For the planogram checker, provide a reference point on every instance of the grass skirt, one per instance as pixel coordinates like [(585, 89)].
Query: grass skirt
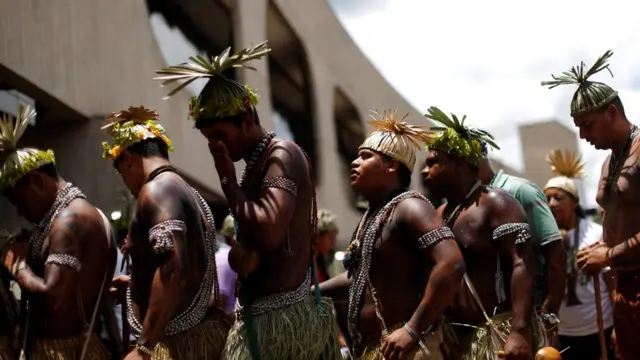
[(484, 342), (204, 341), (433, 341), (69, 349), (301, 331)]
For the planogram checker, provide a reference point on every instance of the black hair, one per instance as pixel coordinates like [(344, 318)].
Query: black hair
[(47, 169), (148, 148), (235, 120), (580, 212), (615, 102), (404, 174)]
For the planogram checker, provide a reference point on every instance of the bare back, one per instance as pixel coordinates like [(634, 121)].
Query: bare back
[(58, 313), (177, 198), (282, 270)]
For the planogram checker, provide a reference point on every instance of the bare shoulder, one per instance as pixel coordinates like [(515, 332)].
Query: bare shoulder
[(415, 207), (498, 200), (286, 158), (80, 216)]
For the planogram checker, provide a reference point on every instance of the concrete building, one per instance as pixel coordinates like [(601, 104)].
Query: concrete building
[(77, 61)]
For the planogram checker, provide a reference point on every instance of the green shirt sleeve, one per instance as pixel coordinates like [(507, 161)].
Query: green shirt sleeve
[(544, 229)]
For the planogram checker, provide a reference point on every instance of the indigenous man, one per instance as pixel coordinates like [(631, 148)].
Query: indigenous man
[(598, 113), (396, 314), (546, 240), (64, 266), (492, 231), (274, 207), (171, 243)]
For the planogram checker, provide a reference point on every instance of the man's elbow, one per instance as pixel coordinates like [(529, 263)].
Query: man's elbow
[(458, 268)]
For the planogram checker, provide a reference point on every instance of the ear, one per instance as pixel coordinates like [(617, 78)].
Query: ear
[(248, 122), (391, 166), (127, 159), (613, 112)]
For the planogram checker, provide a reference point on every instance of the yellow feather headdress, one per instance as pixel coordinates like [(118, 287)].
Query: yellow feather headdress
[(16, 163), (569, 166), (128, 127), (395, 138)]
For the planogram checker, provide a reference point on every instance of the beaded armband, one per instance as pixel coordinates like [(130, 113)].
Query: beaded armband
[(63, 260), (522, 230), (160, 236), (282, 183), (433, 237)]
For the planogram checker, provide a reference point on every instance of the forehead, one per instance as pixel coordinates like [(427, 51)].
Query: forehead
[(584, 119), (216, 127), (433, 154)]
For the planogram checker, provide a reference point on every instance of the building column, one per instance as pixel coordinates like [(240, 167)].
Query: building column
[(250, 28)]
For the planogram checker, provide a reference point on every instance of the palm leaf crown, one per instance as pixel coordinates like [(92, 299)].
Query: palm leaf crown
[(457, 139), (590, 95), (15, 162), (221, 97), (566, 163)]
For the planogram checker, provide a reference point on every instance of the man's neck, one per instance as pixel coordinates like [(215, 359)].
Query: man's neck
[(377, 200), (622, 131), (252, 143), (487, 176), (459, 190), (150, 164)]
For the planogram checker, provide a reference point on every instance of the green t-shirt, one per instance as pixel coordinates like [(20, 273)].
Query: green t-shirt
[(544, 229)]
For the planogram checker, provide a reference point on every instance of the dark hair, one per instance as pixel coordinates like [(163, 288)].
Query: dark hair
[(404, 174), (615, 102), (47, 169), (580, 212), (148, 148), (235, 120)]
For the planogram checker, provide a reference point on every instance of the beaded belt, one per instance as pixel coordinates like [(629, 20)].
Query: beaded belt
[(278, 301)]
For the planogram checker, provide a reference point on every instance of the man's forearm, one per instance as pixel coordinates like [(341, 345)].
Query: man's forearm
[(30, 282), (626, 253), (336, 288), (556, 276), (522, 281), (166, 288), (248, 215), (442, 287)]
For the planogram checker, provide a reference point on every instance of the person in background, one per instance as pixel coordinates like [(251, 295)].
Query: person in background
[(545, 238), (578, 326), (325, 242), (226, 276)]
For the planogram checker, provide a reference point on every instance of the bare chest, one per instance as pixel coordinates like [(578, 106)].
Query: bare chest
[(472, 231), (619, 191)]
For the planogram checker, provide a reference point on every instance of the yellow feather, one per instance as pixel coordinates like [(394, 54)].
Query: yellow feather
[(566, 163), (389, 122)]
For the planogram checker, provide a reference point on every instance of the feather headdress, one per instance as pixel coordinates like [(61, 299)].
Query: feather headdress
[(569, 166), (128, 127), (590, 95), (395, 138), (457, 139), (14, 162), (221, 97)]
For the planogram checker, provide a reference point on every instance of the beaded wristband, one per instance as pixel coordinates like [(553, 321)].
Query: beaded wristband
[(145, 350), (411, 332)]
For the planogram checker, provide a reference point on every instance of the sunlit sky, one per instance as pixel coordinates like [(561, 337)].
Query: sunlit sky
[(486, 59)]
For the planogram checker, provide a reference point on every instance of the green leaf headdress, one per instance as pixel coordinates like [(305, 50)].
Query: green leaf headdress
[(129, 127), (16, 163), (569, 166), (395, 138), (454, 138), (590, 95), (221, 97)]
